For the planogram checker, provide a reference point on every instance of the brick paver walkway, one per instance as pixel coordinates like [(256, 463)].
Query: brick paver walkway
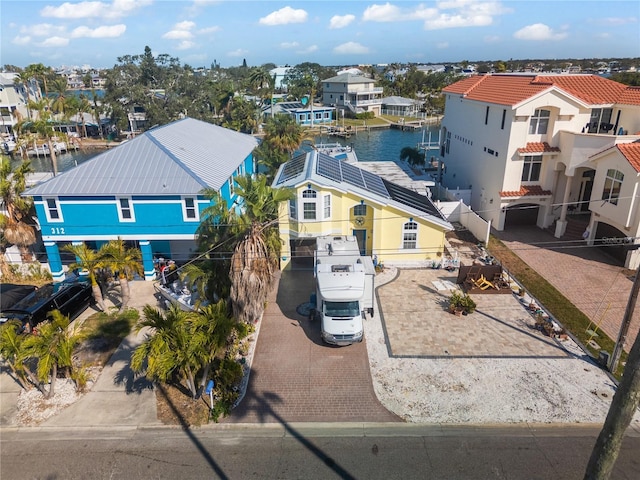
[(418, 323), (587, 276), (295, 377)]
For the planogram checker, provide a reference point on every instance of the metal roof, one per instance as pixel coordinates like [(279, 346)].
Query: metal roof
[(180, 158)]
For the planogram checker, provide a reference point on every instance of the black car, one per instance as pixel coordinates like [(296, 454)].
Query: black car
[(70, 298), (11, 293)]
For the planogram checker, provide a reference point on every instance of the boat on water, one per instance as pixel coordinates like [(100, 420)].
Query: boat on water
[(43, 150), (339, 151)]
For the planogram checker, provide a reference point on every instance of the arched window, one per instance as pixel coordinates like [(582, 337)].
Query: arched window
[(410, 235), (309, 204)]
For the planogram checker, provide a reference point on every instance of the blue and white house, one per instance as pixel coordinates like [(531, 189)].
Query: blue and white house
[(147, 191)]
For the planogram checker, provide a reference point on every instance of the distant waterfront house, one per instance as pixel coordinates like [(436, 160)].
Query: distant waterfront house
[(305, 115), (354, 93), (400, 106), (14, 99), (542, 148), (147, 191), (332, 197), (278, 75)]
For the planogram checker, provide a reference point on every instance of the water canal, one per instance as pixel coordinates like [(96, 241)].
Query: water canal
[(382, 144)]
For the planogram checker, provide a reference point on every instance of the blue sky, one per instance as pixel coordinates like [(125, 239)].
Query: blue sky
[(347, 32)]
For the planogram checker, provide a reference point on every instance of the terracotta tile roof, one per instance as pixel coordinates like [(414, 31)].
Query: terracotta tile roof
[(500, 89), (591, 89), (630, 96), (631, 152), (526, 191), (538, 147), (505, 89)]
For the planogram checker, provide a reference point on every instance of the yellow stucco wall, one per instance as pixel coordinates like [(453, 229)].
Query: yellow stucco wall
[(383, 226)]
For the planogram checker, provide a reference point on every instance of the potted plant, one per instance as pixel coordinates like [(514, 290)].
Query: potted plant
[(460, 303), (468, 304)]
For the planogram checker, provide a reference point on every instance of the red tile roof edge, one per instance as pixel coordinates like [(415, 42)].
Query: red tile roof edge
[(532, 191)]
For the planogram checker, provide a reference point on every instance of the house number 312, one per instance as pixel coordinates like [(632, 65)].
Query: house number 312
[(57, 230)]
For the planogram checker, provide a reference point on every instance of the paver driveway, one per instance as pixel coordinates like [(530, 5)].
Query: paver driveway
[(295, 377)]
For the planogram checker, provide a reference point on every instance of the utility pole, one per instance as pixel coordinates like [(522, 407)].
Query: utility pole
[(626, 320)]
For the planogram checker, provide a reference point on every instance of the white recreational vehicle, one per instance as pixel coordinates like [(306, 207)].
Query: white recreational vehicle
[(344, 289)]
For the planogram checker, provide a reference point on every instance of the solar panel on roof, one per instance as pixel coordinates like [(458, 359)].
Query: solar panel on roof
[(374, 183), (329, 167), (352, 175), (292, 168)]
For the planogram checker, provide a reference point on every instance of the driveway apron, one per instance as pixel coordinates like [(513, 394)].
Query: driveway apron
[(295, 377)]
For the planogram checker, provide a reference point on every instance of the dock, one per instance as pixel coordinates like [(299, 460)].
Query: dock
[(402, 125)]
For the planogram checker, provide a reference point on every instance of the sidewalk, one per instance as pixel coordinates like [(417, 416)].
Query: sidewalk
[(117, 398)]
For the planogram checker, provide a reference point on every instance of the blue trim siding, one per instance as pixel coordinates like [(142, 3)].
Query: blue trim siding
[(158, 220), (55, 262)]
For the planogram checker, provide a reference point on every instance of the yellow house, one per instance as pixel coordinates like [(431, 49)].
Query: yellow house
[(394, 224)]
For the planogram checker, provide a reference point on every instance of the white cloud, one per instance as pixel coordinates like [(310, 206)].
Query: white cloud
[(116, 9), (538, 31), (341, 21), (284, 16), (185, 45), (492, 39), (54, 42), (350, 48), (445, 20), (615, 21), (603, 35), (208, 30), (238, 53), (289, 44), (180, 31), (392, 13), (442, 45), (43, 30), (178, 35), (309, 49), (107, 31), (186, 25), (25, 40)]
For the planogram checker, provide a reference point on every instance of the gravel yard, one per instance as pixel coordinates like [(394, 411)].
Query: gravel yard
[(567, 388)]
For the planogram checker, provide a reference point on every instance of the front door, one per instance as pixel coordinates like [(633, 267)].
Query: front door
[(586, 185), (361, 236)]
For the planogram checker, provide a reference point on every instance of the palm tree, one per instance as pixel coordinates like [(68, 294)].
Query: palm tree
[(283, 133), (126, 262), (260, 203), (214, 326), (40, 72), (22, 80), (92, 262), (43, 127), (53, 348), (15, 228), (171, 348), (264, 83), (59, 103), (413, 156), (252, 275), (270, 159), (11, 350)]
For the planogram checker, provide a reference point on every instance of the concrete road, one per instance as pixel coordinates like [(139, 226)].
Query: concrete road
[(309, 451)]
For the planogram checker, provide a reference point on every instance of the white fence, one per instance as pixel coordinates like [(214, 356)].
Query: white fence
[(459, 212)]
